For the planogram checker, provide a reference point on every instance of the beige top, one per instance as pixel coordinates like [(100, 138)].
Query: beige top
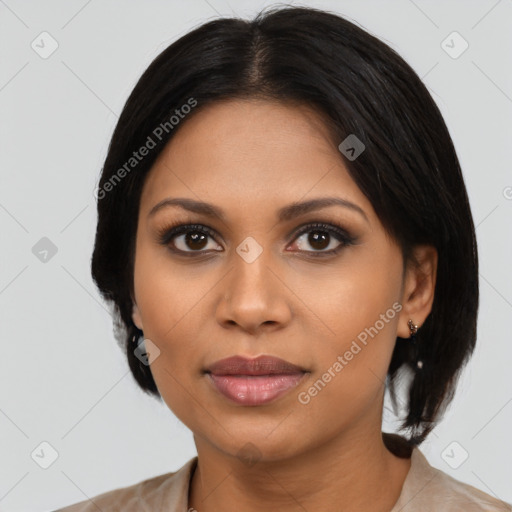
[(425, 489)]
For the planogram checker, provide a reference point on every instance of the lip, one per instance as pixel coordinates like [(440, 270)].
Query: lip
[(254, 381), (262, 365)]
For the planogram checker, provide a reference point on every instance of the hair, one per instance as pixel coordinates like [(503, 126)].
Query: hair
[(409, 169)]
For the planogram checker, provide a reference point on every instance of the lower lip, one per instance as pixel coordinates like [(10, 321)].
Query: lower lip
[(255, 390)]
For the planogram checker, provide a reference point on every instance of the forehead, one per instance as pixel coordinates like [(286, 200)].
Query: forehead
[(239, 152)]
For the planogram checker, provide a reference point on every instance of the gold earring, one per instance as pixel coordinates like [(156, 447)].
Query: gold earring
[(412, 328)]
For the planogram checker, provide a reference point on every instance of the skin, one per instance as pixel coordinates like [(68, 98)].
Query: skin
[(250, 158)]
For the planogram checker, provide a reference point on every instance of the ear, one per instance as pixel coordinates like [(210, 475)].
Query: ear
[(418, 288), (136, 317)]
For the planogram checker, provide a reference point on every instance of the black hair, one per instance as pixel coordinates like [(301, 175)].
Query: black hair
[(409, 169)]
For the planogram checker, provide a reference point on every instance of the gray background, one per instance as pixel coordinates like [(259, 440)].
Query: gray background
[(63, 378)]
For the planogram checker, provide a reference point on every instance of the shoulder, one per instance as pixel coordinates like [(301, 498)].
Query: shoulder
[(169, 491), (429, 489)]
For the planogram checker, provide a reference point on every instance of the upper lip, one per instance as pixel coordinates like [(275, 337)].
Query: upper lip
[(262, 365)]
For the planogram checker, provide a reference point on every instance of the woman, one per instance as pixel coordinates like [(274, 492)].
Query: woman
[(284, 231)]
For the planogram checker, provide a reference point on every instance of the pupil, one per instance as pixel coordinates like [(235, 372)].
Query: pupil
[(319, 239), (195, 240)]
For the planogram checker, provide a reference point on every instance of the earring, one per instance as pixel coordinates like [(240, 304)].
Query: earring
[(413, 328)]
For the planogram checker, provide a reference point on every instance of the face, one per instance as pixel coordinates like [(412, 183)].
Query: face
[(320, 288)]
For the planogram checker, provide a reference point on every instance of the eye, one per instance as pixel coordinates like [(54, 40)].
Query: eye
[(188, 238), (193, 239), (325, 239)]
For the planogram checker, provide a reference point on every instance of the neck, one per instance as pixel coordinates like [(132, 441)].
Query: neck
[(356, 472)]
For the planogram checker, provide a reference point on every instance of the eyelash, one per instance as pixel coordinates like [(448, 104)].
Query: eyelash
[(168, 233)]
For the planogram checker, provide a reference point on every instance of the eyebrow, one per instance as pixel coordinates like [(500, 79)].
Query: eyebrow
[(284, 214)]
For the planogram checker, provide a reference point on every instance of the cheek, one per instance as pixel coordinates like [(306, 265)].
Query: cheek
[(173, 321), (172, 309), (359, 311), (169, 296), (350, 298), (173, 315), (350, 372)]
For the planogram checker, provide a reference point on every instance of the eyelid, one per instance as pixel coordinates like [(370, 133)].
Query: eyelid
[(342, 233), (168, 232)]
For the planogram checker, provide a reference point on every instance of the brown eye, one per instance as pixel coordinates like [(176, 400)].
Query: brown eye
[(319, 239), (193, 241), (196, 241), (189, 239), (323, 239)]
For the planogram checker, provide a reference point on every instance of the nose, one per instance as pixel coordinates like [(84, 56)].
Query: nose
[(254, 296)]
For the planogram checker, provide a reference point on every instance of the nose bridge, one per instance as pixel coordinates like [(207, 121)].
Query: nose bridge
[(251, 276), (253, 295)]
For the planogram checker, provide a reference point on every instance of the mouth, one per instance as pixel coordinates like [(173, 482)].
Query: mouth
[(256, 381)]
